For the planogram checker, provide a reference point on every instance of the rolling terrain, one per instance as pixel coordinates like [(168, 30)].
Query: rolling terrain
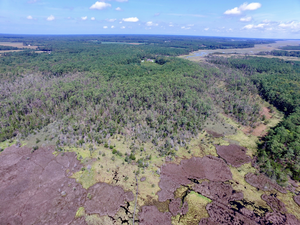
[(131, 134)]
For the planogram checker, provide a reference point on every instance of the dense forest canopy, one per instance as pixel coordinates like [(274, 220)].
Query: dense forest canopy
[(97, 90)]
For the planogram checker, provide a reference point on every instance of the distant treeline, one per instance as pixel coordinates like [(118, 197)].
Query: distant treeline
[(7, 48), (279, 83), (291, 47), (187, 43), (281, 53)]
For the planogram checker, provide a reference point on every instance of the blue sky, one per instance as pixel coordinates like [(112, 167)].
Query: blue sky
[(233, 18)]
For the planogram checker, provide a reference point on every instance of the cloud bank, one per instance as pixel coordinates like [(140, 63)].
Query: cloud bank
[(243, 7)]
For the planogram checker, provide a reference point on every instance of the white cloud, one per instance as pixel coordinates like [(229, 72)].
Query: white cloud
[(267, 25), (112, 27), (246, 19), (259, 26), (243, 7), (111, 20), (118, 9), (206, 29), (150, 23), (93, 18), (251, 6), (123, 27), (84, 18), (292, 25), (249, 26), (171, 25), (185, 28), (100, 5), (234, 11), (105, 27), (29, 17), (50, 18), (131, 19)]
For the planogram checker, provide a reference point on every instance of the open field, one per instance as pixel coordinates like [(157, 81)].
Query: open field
[(199, 55), (4, 51), (17, 45)]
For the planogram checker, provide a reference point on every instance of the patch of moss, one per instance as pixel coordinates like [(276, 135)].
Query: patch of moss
[(197, 209), (180, 192), (6, 144), (80, 212), (95, 219), (291, 206)]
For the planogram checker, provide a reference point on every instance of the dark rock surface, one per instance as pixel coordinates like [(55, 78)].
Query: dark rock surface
[(221, 214), (36, 189), (176, 207), (32, 185), (173, 176), (150, 215), (218, 191), (264, 183), (297, 199), (106, 199), (234, 155)]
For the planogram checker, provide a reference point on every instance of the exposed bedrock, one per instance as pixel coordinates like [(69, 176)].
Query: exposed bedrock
[(150, 215), (36, 189), (173, 175), (234, 155), (297, 199), (221, 214), (218, 191), (264, 183), (105, 199), (176, 207)]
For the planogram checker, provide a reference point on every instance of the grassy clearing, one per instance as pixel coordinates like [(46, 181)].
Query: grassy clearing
[(238, 183), (290, 204), (101, 165), (196, 211), (6, 144)]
